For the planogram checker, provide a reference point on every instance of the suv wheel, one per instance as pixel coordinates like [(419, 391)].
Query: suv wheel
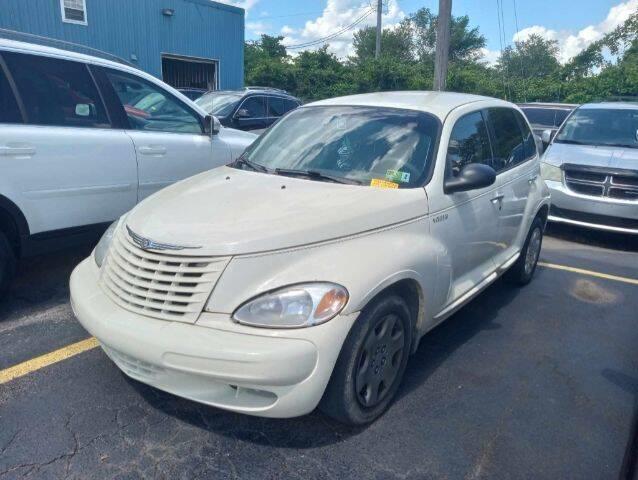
[(7, 264), (371, 363), (522, 271)]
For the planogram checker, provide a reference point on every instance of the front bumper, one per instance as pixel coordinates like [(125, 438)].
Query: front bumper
[(599, 213), (273, 373)]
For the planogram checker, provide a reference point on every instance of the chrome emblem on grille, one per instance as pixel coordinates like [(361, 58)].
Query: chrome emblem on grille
[(148, 244)]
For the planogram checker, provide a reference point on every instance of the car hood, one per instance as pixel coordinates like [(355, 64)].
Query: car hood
[(593, 156), (227, 211)]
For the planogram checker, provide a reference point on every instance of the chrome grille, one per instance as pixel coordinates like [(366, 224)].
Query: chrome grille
[(159, 285), (600, 182)]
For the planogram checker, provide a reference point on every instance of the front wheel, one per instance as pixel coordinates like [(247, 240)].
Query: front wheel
[(522, 271), (371, 364)]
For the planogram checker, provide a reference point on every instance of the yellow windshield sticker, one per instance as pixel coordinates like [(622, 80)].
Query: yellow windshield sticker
[(377, 182)]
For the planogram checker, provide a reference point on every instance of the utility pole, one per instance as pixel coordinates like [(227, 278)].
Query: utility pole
[(442, 44), (377, 51)]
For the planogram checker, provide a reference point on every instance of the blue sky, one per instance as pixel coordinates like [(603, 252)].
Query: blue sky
[(573, 23)]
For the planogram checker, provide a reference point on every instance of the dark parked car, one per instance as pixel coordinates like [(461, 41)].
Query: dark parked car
[(546, 116), (254, 108), (192, 93)]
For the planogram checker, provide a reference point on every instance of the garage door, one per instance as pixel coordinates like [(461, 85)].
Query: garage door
[(189, 72)]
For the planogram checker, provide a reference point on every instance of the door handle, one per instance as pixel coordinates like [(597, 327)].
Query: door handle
[(532, 179), (156, 150), (497, 198), (7, 151)]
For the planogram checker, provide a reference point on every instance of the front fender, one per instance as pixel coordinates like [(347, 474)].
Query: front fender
[(365, 264)]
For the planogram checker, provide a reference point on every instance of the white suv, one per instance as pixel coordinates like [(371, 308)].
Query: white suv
[(306, 272), (82, 140)]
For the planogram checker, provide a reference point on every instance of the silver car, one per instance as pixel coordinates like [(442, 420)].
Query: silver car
[(591, 168)]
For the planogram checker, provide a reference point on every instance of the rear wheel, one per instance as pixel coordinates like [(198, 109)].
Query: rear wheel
[(371, 363), (7, 264), (522, 271)]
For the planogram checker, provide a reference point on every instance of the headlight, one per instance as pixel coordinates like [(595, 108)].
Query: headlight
[(551, 172), (296, 306), (105, 242)]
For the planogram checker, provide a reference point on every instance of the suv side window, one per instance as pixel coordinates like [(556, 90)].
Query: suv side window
[(276, 107), (150, 108), (57, 92), (9, 111), (255, 106), (529, 143), (507, 139), (469, 143), (290, 105)]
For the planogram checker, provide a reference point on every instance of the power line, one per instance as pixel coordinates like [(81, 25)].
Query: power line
[(333, 35), (301, 14), (520, 58)]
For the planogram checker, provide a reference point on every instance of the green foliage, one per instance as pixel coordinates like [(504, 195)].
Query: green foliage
[(527, 71)]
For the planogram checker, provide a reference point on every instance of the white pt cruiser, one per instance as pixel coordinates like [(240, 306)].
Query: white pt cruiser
[(305, 273)]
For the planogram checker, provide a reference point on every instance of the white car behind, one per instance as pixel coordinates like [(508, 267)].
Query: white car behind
[(83, 140)]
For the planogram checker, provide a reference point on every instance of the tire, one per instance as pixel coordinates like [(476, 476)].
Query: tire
[(522, 271), (7, 264), (376, 350)]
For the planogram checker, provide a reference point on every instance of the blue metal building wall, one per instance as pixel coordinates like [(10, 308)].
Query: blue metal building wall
[(137, 29)]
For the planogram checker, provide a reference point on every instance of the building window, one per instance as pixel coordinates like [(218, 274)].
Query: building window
[(73, 11)]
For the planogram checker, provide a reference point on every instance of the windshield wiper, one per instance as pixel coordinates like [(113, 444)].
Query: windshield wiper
[(315, 174), (573, 142), (242, 160)]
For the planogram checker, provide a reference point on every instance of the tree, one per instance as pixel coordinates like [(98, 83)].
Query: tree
[(396, 43), (465, 43), (534, 57)]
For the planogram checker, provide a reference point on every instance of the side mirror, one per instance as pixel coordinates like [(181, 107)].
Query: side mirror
[(546, 137), (471, 177), (242, 113), (212, 125), (539, 144)]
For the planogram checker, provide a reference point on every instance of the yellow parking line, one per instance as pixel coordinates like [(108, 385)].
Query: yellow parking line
[(47, 359), (606, 276)]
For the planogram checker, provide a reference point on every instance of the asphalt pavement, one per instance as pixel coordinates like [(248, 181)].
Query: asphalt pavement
[(539, 382)]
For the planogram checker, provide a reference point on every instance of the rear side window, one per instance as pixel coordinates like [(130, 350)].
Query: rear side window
[(507, 139), (540, 116), (255, 107), (469, 143), (290, 105), (56, 92), (275, 107), (9, 111)]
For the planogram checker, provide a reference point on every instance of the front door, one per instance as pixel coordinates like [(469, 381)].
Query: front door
[(169, 138), (465, 223)]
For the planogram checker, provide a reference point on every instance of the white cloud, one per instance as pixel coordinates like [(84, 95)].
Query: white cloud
[(337, 15), (258, 28), (287, 30), (245, 4), (570, 43), (490, 56)]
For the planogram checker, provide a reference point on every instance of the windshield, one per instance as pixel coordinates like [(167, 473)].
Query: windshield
[(366, 145), (220, 104), (601, 126)]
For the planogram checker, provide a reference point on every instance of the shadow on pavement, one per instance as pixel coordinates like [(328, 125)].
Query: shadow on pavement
[(41, 282), (596, 238)]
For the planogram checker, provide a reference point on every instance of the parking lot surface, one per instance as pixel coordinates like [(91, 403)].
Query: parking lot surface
[(538, 382)]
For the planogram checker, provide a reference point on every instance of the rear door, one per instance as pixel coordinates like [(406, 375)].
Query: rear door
[(67, 165), (514, 151), (168, 134)]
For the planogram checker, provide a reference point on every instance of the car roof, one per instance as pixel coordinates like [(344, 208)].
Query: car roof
[(613, 105), (439, 104), (549, 105)]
